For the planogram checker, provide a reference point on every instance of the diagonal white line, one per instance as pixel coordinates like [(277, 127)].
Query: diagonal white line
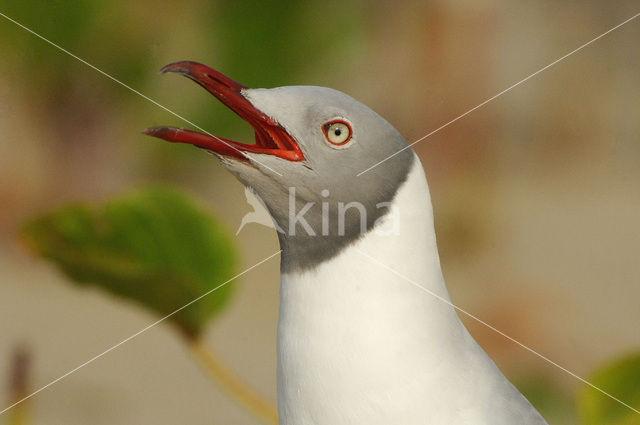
[(531, 350), (137, 333), (133, 90), (502, 92)]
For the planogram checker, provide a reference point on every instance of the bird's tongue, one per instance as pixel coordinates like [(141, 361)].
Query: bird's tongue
[(271, 138)]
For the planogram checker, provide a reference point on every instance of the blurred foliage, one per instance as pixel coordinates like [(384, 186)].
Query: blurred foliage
[(281, 41), (271, 44), (260, 44), (77, 26), (620, 379), (555, 403), (156, 247)]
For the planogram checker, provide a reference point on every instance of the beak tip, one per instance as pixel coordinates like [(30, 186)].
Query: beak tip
[(155, 131), (164, 70), (181, 67)]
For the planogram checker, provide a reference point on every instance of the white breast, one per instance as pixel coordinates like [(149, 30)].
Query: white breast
[(357, 344)]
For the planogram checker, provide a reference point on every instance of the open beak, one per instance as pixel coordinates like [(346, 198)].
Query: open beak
[(270, 137)]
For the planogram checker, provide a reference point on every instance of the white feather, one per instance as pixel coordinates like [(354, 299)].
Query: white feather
[(357, 344)]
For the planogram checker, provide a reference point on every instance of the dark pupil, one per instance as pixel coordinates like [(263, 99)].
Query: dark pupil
[(337, 132)]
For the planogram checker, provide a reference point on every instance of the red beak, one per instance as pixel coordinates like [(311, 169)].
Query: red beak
[(271, 138)]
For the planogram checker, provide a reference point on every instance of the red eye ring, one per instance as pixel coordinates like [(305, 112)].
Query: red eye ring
[(327, 125)]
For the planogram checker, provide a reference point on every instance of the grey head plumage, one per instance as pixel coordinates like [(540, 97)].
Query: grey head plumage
[(304, 164)]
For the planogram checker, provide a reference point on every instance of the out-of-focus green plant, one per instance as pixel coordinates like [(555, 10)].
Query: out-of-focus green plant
[(158, 248), (155, 247), (78, 26), (554, 402), (621, 379)]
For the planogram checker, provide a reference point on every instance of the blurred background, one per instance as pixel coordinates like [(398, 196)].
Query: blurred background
[(536, 195)]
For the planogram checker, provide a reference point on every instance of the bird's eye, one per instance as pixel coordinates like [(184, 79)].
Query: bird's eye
[(337, 132)]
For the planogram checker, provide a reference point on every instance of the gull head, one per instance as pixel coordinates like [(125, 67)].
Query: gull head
[(310, 145)]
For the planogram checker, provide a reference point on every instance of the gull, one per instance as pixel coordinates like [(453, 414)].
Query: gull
[(357, 344)]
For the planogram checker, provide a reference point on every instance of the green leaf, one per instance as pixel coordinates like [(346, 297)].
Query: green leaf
[(156, 247), (545, 392), (620, 379)]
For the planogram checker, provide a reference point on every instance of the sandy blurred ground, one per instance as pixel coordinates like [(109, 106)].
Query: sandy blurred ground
[(536, 197)]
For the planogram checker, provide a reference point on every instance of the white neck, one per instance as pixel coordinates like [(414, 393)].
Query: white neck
[(358, 344)]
